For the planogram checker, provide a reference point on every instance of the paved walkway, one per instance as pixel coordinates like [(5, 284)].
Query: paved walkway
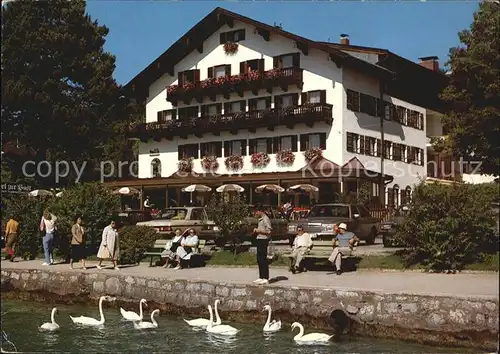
[(459, 285)]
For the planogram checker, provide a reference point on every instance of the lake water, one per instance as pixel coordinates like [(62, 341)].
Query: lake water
[(20, 322)]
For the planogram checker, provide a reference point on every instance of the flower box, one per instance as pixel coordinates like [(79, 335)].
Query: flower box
[(273, 73), (234, 162), (172, 89), (188, 86), (207, 82), (230, 48), (285, 158), (260, 159), (253, 75), (210, 163), (313, 154), (185, 165)]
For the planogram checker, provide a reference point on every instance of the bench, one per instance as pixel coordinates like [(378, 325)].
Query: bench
[(159, 247), (320, 250)]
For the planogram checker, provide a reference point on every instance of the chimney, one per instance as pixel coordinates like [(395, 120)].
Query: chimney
[(344, 39), (431, 63)]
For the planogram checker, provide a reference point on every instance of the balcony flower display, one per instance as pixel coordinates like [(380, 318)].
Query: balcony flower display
[(171, 89), (253, 75), (185, 165), (285, 157), (210, 163), (273, 73), (188, 85), (312, 154), (207, 82), (234, 162), (221, 80), (230, 48), (236, 79), (260, 159)]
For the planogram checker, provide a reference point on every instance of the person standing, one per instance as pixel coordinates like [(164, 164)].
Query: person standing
[(301, 245), (48, 224), (263, 235), (78, 253), (110, 245), (11, 231), (343, 243)]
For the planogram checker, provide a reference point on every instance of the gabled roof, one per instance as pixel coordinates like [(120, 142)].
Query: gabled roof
[(195, 37)]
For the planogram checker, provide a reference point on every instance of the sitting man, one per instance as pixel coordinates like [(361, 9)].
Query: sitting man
[(343, 243), (301, 245)]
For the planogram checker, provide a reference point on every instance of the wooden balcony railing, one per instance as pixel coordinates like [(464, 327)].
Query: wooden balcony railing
[(269, 118), (225, 85)]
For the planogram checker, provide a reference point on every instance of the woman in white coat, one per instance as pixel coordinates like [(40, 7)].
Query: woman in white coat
[(110, 245), (188, 247)]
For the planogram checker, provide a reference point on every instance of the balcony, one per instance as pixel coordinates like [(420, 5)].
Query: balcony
[(225, 85), (308, 114)]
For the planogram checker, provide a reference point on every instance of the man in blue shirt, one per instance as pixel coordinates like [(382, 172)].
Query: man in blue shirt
[(343, 243)]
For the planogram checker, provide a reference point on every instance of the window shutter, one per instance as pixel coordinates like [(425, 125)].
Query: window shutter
[(294, 143), (268, 102), (241, 34), (260, 65), (322, 141), (197, 76), (223, 37), (276, 144), (203, 149), (362, 146), (252, 145), (218, 149), (180, 78), (243, 151), (276, 62), (228, 69), (379, 147), (350, 142), (296, 60), (277, 101), (180, 153), (219, 108), (174, 114), (159, 116), (204, 110), (227, 108), (304, 138), (210, 73), (303, 98), (322, 96), (227, 148), (243, 65), (295, 99), (252, 104), (269, 145), (243, 106)]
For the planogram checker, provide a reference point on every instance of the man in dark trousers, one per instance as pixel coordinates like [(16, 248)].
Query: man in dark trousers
[(263, 235)]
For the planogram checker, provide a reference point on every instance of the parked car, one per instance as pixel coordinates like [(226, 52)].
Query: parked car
[(320, 220), (388, 227), (132, 217)]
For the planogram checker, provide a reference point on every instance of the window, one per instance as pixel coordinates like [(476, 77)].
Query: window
[(387, 149), (368, 105), (410, 154), (255, 65), (212, 109), (174, 214), (400, 116), (235, 147), (314, 97), (287, 61), (211, 149), (234, 107), (311, 141), (286, 143), (318, 96), (165, 115), (188, 112), (188, 151), (232, 36), (396, 151), (220, 71), (352, 100), (329, 211), (389, 111), (261, 145), (406, 196), (395, 195), (156, 168), (314, 141), (353, 142), (286, 100), (419, 156), (261, 103), (370, 146), (192, 76)]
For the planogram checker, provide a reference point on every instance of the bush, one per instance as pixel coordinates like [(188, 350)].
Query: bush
[(448, 227), (134, 241)]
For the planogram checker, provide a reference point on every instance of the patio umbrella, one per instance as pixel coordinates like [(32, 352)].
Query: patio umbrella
[(126, 191), (269, 188), (303, 188), (40, 193), (230, 188), (195, 188)]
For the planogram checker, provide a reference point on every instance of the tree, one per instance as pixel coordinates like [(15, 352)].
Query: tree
[(473, 94), (58, 92)]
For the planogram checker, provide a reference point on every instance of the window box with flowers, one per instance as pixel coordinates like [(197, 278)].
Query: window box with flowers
[(312, 154), (185, 165), (273, 73), (260, 159), (285, 158), (253, 75), (207, 83), (230, 48), (172, 89), (188, 85), (210, 163), (234, 162)]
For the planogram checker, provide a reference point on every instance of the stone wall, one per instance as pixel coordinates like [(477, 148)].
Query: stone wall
[(468, 322)]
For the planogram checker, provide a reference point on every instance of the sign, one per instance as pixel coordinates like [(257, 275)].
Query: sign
[(16, 188)]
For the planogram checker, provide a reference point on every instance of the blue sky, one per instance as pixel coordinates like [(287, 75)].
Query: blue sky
[(141, 30)]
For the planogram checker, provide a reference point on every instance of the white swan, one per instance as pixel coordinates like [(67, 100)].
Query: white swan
[(311, 337), (51, 326), (133, 316), (89, 321), (273, 326), (146, 325), (203, 322), (219, 329)]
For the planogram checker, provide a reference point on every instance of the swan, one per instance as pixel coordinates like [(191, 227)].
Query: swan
[(133, 316), (146, 325), (311, 337), (219, 329), (52, 325), (89, 321), (273, 326), (203, 322)]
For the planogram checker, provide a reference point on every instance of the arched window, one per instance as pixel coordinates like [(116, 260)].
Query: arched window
[(156, 168), (390, 197), (406, 196), (396, 196)]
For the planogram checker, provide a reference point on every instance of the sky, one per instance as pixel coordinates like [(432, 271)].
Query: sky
[(140, 31)]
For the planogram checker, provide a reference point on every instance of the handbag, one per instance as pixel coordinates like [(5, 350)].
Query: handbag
[(105, 253)]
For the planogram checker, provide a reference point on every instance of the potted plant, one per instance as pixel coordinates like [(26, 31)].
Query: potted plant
[(210, 163), (230, 48), (312, 154), (171, 89), (260, 159), (285, 157), (185, 165), (234, 162)]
